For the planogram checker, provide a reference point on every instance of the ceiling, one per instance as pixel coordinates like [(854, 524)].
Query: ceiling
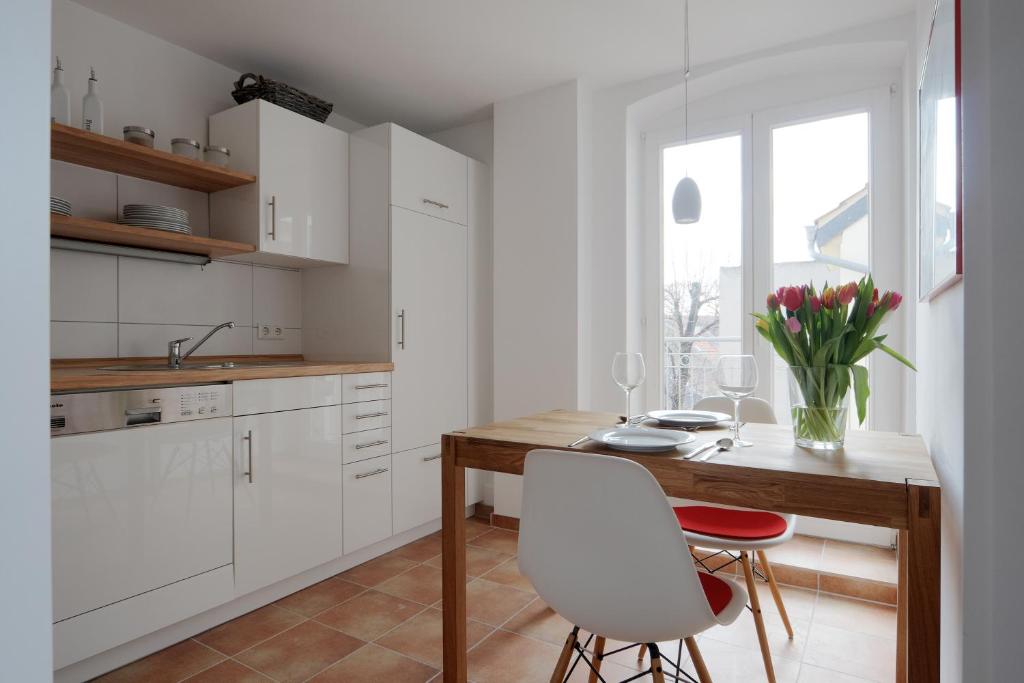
[(432, 64)]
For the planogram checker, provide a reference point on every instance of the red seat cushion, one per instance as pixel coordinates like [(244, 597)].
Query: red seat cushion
[(741, 525), (719, 592)]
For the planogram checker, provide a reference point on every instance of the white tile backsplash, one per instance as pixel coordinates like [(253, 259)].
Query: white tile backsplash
[(83, 287), (83, 340), (151, 340), (107, 306), (158, 292), (290, 343), (275, 292)]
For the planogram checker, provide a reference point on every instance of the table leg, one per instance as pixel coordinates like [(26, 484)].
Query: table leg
[(453, 563), (922, 587), (902, 551)]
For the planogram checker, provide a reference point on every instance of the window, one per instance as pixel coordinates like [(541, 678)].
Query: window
[(790, 195)]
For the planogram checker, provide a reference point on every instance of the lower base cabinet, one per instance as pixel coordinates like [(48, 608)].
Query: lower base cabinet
[(366, 492), (288, 494), (417, 487)]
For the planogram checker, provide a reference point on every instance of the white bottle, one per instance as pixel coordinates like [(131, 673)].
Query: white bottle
[(60, 97), (92, 107)]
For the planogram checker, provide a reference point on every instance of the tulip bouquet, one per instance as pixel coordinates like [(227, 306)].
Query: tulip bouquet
[(822, 336)]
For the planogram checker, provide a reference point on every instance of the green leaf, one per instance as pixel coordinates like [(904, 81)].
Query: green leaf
[(821, 355), (861, 390), (896, 354)]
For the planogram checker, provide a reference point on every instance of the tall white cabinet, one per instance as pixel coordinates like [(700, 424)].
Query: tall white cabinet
[(404, 298)]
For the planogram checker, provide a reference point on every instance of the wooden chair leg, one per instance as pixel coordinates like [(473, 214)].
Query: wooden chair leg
[(775, 591), (598, 651), (698, 661), (657, 674), (755, 607), (640, 655), (558, 675)]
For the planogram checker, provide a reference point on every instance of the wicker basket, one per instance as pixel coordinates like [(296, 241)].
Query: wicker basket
[(281, 94)]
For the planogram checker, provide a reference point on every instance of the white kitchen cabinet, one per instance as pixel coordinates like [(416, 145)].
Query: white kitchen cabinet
[(367, 494), (288, 494), (296, 213), (365, 386), (360, 417), (427, 177), (416, 480), (429, 383)]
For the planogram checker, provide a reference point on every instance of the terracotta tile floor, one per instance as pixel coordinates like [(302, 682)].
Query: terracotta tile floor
[(381, 621)]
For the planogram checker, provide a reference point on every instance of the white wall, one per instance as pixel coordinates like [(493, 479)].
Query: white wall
[(25, 645), (536, 150), (106, 306), (993, 99), (939, 383)]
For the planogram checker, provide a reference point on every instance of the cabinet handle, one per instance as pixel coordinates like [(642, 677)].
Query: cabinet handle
[(401, 337), (374, 473), (273, 217), (367, 415), (371, 444), (432, 202), (248, 438), (431, 457), (371, 386)]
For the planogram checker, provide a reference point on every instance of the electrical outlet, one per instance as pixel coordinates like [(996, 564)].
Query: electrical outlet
[(269, 331)]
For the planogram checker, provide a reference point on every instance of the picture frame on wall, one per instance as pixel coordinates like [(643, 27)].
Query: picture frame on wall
[(940, 186)]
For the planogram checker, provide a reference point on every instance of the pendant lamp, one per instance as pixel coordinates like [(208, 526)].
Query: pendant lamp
[(686, 198)]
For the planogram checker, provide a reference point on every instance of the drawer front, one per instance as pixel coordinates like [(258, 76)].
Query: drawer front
[(288, 393), (365, 386), (427, 177), (365, 445), (367, 503), (361, 417), (417, 487)]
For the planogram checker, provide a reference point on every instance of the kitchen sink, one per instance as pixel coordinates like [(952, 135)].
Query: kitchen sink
[(227, 365)]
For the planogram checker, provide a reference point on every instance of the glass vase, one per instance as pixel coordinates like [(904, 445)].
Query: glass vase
[(819, 399)]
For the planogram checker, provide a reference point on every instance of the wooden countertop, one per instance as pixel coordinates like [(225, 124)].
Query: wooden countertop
[(88, 374)]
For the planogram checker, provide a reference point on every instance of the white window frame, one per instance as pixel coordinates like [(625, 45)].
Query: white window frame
[(886, 255)]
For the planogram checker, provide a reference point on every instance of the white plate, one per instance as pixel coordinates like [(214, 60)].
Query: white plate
[(688, 418), (641, 439)]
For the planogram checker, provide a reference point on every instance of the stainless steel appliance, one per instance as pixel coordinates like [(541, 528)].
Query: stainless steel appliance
[(142, 492)]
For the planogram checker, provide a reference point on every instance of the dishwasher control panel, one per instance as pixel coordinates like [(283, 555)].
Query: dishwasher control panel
[(105, 410)]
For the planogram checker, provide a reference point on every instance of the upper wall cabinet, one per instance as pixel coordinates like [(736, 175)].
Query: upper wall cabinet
[(297, 212), (428, 178)]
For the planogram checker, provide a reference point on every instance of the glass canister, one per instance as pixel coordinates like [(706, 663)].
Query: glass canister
[(139, 135), (186, 147), (217, 155)]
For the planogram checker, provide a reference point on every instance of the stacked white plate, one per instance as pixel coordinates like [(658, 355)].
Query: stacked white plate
[(155, 216), (688, 418), (60, 206), (641, 439)]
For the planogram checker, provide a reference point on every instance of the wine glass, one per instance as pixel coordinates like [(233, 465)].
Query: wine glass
[(736, 377), (628, 371)]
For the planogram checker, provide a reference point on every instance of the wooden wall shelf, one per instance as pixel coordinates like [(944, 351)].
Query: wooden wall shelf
[(111, 154), (89, 230)]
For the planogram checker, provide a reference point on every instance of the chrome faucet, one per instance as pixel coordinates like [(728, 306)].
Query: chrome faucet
[(174, 355)]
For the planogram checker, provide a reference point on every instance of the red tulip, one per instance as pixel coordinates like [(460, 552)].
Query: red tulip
[(815, 304), (871, 309), (793, 324), (828, 298), (773, 302), (874, 295), (895, 300), (846, 293), (793, 298)]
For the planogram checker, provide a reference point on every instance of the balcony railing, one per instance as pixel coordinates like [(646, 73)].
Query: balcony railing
[(689, 367)]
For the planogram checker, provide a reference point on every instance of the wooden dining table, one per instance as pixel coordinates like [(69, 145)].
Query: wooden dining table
[(883, 479)]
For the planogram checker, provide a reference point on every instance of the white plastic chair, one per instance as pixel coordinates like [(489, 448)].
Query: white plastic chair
[(752, 409), (602, 546)]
